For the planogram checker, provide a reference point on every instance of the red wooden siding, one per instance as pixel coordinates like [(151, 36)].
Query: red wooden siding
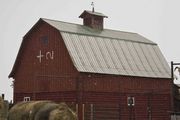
[(147, 107), (112, 83), (49, 74), (152, 97)]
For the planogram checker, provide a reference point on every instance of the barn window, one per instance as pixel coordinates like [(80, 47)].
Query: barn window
[(130, 101), (44, 40), (27, 99)]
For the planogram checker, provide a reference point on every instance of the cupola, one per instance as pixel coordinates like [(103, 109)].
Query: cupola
[(93, 19)]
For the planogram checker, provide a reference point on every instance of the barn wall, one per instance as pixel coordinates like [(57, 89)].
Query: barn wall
[(124, 84), (144, 109), (54, 69), (152, 96)]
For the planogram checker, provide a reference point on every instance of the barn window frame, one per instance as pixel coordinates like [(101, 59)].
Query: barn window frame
[(44, 39), (130, 101), (26, 99)]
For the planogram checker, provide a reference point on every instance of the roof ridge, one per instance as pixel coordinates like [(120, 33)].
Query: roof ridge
[(121, 31), (86, 26), (60, 21), (109, 33)]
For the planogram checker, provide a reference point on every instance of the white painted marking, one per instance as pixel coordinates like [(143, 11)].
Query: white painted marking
[(40, 56)]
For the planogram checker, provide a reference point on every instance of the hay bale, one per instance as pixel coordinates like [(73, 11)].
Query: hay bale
[(40, 110), (25, 110), (62, 113), (1, 103), (43, 113), (4, 106)]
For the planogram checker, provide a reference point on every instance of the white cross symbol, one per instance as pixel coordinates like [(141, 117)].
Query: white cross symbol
[(40, 56)]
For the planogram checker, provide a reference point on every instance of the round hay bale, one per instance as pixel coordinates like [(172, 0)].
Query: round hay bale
[(43, 113), (41, 110), (62, 113), (1, 103), (25, 110)]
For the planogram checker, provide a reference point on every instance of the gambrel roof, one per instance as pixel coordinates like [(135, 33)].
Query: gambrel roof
[(111, 52)]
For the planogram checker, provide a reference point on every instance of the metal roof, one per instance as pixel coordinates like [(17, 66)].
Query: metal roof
[(106, 33), (112, 52), (93, 13)]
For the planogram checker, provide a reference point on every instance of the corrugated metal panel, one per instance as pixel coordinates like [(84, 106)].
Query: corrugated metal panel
[(149, 59), (114, 56), (140, 59), (121, 62), (166, 70), (137, 60)]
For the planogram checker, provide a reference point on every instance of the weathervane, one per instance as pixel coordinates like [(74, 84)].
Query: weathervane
[(92, 4)]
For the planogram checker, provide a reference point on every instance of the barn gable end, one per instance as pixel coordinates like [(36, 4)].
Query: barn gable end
[(42, 60), (42, 36)]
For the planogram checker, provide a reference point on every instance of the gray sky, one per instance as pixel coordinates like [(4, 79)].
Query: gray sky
[(157, 20)]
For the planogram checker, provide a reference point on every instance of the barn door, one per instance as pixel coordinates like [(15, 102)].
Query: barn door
[(141, 110), (101, 112), (149, 107)]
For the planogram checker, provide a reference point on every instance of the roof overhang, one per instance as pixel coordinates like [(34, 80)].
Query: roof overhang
[(92, 13)]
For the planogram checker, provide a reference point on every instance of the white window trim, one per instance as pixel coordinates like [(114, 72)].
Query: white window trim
[(26, 99), (131, 101)]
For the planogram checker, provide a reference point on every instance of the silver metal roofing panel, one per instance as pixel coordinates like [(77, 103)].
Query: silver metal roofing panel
[(90, 55), (156, 59), (140, 59), (97, 54), (84, 53), (99, 61), (109, 56), (112, 52), (129, 58), (102, 54), (150, 61), (121, 58), (163, 62), (149, 57), (112, 56), (74, 54), (138, 67), (79, 50)]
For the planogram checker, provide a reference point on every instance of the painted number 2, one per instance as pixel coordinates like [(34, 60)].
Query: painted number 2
[(47, 55)]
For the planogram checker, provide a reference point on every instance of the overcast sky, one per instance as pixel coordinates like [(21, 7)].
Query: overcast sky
[(157, 20)]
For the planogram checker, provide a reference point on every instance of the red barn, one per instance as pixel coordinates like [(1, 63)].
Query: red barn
[(106, 74)]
